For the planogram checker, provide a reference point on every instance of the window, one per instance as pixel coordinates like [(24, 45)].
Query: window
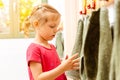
[(12, 15)]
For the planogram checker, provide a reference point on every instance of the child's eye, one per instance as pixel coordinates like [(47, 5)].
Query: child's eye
[(52, 26)]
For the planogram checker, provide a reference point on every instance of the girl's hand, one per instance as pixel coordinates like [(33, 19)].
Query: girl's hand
[(71, 63)]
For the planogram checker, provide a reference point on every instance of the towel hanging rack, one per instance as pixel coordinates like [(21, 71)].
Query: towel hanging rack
[(91, 5), (86, 6)]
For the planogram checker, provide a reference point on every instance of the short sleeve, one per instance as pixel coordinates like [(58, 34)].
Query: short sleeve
[(33, 54)]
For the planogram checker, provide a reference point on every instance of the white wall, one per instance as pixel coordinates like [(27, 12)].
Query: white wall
[(71, 13), (59, 5), (13, 59)]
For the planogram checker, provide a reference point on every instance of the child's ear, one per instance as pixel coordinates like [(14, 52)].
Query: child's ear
[(35, 23)]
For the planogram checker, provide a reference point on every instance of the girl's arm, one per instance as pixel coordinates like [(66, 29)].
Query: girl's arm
[(69, 64)]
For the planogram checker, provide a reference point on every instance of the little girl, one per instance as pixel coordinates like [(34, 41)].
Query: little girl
[(42, 58)]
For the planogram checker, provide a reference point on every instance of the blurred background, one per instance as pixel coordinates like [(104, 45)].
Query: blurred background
[(13, 44)]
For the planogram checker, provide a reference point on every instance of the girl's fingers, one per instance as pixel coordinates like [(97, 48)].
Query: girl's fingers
[(75, 68), (76, 60), (74, 56), (76, 64)]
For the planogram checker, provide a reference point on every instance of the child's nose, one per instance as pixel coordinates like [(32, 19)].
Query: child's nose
[(55, 30)]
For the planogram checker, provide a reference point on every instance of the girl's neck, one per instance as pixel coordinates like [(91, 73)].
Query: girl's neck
[(42, 42)]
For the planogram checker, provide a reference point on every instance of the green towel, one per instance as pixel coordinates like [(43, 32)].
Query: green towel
[(59, 44), (74, 74), (115, 61), (105, 46), (85, 30)]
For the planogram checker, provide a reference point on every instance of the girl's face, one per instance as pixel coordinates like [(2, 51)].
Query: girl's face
[(48, 30)]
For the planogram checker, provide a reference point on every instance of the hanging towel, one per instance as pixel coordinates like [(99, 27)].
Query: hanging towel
[(85, 29), (78, 40), (59, 44), (112, 65), (91, 47), (115, 61), (105, 46), (74, 74)]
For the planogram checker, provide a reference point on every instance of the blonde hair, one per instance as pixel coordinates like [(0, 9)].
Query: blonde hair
[(41, 13)]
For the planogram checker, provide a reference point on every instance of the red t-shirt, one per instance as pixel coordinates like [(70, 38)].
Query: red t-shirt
[(48, 58)]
